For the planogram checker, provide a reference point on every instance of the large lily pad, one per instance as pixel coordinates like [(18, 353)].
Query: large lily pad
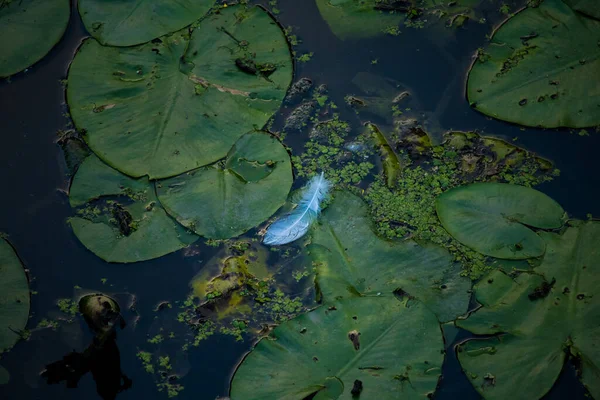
[(226, 199), (390, 349), (131, 22), (131, 226), (494, 218), (541, 69), (29, 29), (161, 109), (538, 320), (352, 261), (14, 297)]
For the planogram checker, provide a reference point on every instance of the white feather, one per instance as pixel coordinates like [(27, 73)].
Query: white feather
[(295, 224)]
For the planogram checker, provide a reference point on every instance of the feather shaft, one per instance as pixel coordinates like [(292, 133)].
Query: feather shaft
[(296, 224)]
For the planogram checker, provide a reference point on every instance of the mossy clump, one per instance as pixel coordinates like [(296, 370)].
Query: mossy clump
[(407, 210), (236, 294)]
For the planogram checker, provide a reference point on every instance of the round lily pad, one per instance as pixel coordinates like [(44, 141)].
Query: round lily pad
[(29, 29), (494, 218), (181, 102), (537, 320), (122, 220), (375, 347), (352, 261), (131, 22), (14, 297), (228, 198), (541, 69)]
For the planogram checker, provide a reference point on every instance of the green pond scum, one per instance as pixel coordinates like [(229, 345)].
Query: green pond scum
[(452, 258)]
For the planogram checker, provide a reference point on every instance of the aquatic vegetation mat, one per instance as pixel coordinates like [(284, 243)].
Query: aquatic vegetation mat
[(227, 199), (494, 218), (131, 22), (14, 298), (119, 218), (405, 208), (180, 102), (29, 29), (372, 347), (352, 261), (540, 69), (537, 320)]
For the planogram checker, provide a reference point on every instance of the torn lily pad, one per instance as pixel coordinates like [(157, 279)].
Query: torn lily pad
[(14, 297), (541, 69), (119, 218), (29, 29), (375, 347), (234, 195), (180, 102), (537, 320), (495, 218), (127, 23), (352, 261)]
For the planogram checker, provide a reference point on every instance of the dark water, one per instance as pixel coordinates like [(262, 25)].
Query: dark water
[(33, 207)]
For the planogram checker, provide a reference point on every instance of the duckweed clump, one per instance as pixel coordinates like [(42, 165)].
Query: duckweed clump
[(407, 209), (326, 151)]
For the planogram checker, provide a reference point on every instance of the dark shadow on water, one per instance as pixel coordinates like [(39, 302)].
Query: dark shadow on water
[(101, 358)]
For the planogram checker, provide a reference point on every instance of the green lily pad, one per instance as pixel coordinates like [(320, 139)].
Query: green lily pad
[(394, 349), (493, 218), (14, 297), (540, 69), (161, 109), (29, 29), (131, 22), (538, 320), (352, 261), (130, 227), (226, 199)]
